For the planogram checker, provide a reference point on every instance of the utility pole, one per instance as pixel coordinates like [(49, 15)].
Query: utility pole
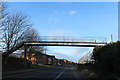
[(111, 38), (45, 48)]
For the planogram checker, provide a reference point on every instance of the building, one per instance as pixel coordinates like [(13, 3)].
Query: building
[(62, 62), (41, 58), (50, 59), (45, 59)]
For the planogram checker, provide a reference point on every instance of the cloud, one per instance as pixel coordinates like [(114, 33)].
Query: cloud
[(72, 12), (56, 32), (60, 55), (53, 20), (70, 50), (70, 53), (53, 17), (56, 12)]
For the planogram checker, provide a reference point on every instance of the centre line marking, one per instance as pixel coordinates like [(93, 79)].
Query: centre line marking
[(59, 75)]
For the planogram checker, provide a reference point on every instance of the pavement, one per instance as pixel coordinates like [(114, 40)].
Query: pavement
[(46, 73), (9, 73)]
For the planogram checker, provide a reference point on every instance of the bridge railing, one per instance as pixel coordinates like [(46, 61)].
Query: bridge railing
[(74, 39), (71, 39)]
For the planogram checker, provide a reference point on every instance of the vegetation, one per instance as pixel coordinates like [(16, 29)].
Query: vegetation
[(107, 60), (32, 35), (88, 70), (106, 63), (15, 24), (16, 28), (36, 65), (13, 63), (3, 14)]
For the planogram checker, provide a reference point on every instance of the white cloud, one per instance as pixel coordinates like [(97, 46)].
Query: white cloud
[(56, 12), (72, 12), (70, 53), (53, 20), (56, 32)]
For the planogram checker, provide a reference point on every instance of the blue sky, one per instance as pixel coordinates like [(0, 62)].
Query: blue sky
[(80, 19)]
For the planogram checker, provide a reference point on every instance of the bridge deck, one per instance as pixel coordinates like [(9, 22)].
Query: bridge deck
[(65, 42), (62, 41)]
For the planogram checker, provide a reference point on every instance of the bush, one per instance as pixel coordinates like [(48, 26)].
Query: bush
[(107, 60), (14, 63)]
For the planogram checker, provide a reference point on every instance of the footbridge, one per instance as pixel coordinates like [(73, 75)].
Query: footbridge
[(62, 41), (68, 41)]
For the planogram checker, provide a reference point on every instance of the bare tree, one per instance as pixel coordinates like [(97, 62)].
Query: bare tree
[(15, 25), (3, 14), (32, 35)]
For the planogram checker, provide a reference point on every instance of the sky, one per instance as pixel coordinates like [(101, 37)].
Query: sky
[(78, 19)]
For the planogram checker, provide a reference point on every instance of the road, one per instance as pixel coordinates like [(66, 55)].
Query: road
[(51, 73)]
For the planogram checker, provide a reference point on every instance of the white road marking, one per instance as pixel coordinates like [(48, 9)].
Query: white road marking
[(60, 75)]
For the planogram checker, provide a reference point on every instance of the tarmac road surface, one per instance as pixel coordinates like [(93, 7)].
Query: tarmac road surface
[(50, 73)]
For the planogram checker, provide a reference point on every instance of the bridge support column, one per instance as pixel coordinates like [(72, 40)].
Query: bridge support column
[(25, 52)]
